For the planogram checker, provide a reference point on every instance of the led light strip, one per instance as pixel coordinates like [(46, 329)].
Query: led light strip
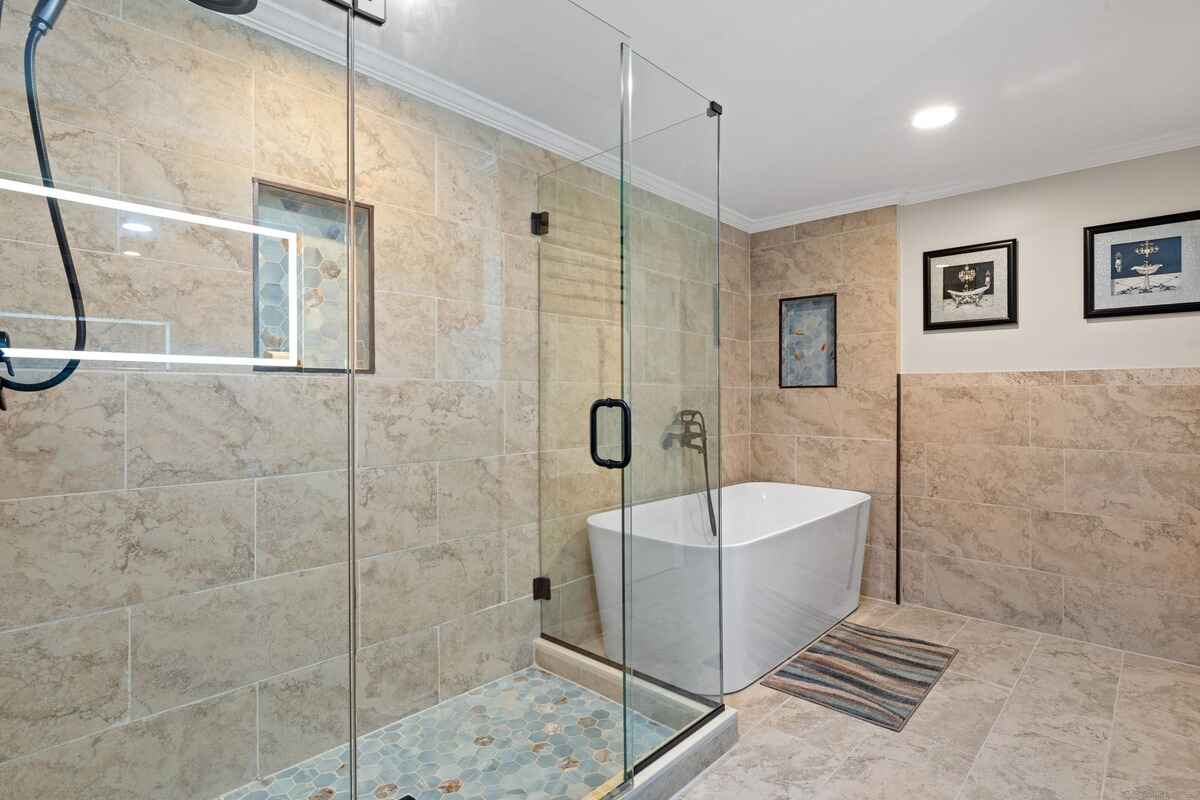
[(180, 216)]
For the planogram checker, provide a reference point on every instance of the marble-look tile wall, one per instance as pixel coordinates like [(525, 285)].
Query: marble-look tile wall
[(176, 540), (1060, 501), (843, 437)]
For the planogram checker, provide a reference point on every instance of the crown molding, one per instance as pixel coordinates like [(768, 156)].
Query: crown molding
[(275, 19), (1143, 148)]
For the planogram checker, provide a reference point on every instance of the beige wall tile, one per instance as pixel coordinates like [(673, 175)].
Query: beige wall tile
[(397, 508), (520, 417), (867, 360), (416, 112), (202, 102), (735, 315), (966, 415), (63, 681), (1158, 419), (1153, 555), (432, 584), (867, 412), (870, 255), (394, 163), (285, 116), (1142, 620), (394, 679), (735, 268), (735, 460), (405, 327), (196, 645), (468, 186), (236, 426), (1004, 594), (303, 713), (735, 411), (773, 458), (520, 271), (469, 341), (968, 530), (866, 308), (798, 268), (420, 254), (566, 553), (83, 158), (517, 188), (300, 522), (522, 557), (859, 464), (72, 554), (200, 750), (771, 238), (67, 440), (912, 468), (807, 412), (1014, 476), (1152, 486), (405, 421), (764, 317), (1156, 377), (734, 237), (579, 283), (881, 525), (486, 495), (734, 363), (479, 648)]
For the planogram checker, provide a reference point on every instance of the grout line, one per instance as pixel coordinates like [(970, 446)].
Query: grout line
[(967, 778), (1112, 729)]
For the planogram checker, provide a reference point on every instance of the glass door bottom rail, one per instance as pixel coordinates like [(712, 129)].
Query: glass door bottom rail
[(529, 735)]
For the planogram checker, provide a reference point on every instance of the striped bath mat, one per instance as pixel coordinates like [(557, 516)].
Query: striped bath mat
[(867, 673)]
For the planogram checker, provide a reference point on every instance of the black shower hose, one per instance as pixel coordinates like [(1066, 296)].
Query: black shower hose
[(36, 31)]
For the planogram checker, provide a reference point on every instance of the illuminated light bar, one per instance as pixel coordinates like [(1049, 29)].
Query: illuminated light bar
[(290, 359)]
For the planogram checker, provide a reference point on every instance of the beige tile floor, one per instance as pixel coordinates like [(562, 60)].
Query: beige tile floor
[(1018, 716)]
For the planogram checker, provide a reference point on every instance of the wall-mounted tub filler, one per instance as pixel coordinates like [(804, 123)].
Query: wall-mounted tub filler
[(792, 558)]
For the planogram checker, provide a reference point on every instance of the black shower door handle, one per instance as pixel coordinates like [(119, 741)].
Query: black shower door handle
[(626, 433)]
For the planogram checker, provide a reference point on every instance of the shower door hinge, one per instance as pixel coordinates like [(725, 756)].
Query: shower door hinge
[(541, 588), (714, 108), (539, 223)]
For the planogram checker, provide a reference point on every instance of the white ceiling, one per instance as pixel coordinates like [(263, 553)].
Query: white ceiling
[(818, 93)]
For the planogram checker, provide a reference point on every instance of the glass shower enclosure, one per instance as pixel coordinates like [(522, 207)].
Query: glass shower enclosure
[(299, 402)]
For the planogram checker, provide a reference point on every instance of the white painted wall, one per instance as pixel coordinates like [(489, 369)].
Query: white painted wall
[(1047, 217)]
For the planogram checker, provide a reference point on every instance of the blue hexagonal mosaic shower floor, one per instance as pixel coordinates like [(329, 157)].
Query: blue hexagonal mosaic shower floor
[(531, 735)]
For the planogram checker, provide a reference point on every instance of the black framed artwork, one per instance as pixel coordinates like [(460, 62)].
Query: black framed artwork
[(971, 286), (808, 341), (1142, 266)]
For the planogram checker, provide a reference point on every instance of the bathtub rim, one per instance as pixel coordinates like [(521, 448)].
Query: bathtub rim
[(859, 499)]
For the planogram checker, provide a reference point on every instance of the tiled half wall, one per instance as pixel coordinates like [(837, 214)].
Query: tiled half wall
[(1066, 502)]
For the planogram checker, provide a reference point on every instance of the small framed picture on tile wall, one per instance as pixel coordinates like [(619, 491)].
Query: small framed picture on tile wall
[(808, 341), (971, 286), (1144, 266)]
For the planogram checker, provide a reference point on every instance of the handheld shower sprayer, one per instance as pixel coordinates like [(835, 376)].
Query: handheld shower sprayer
[(41, 22)]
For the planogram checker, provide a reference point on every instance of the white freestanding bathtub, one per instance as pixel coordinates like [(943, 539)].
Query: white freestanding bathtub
[(792, 558)]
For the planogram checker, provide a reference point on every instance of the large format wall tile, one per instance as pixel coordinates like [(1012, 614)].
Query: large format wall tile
[(429, 585), (807, 412), (205, 427), (404, 421), (1141, 620), (1152, 486), (73, 554), (62, 681), (1003, 594), (393, 163), (394, 679), (405, 335), (966, 415), (285, 116), (1157, 419), (481, 647), (420, 254), (98, 72), (967, 530), (1013, 476), (193, 646), (301, 521), (200, 750), (397, 508), (303, 713), (860, 464), (1153, 555), (69, 439), (486, 495)]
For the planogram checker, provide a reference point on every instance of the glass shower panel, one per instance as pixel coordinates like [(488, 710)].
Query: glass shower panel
[(671, 381), (459, 108), (174, 509)]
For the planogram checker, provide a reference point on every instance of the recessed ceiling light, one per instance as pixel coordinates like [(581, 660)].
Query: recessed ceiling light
[(137, 227), (132, 253), (934, 117)]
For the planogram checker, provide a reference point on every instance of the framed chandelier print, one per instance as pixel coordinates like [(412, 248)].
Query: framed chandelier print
[(971, 286), (1144, 266)]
